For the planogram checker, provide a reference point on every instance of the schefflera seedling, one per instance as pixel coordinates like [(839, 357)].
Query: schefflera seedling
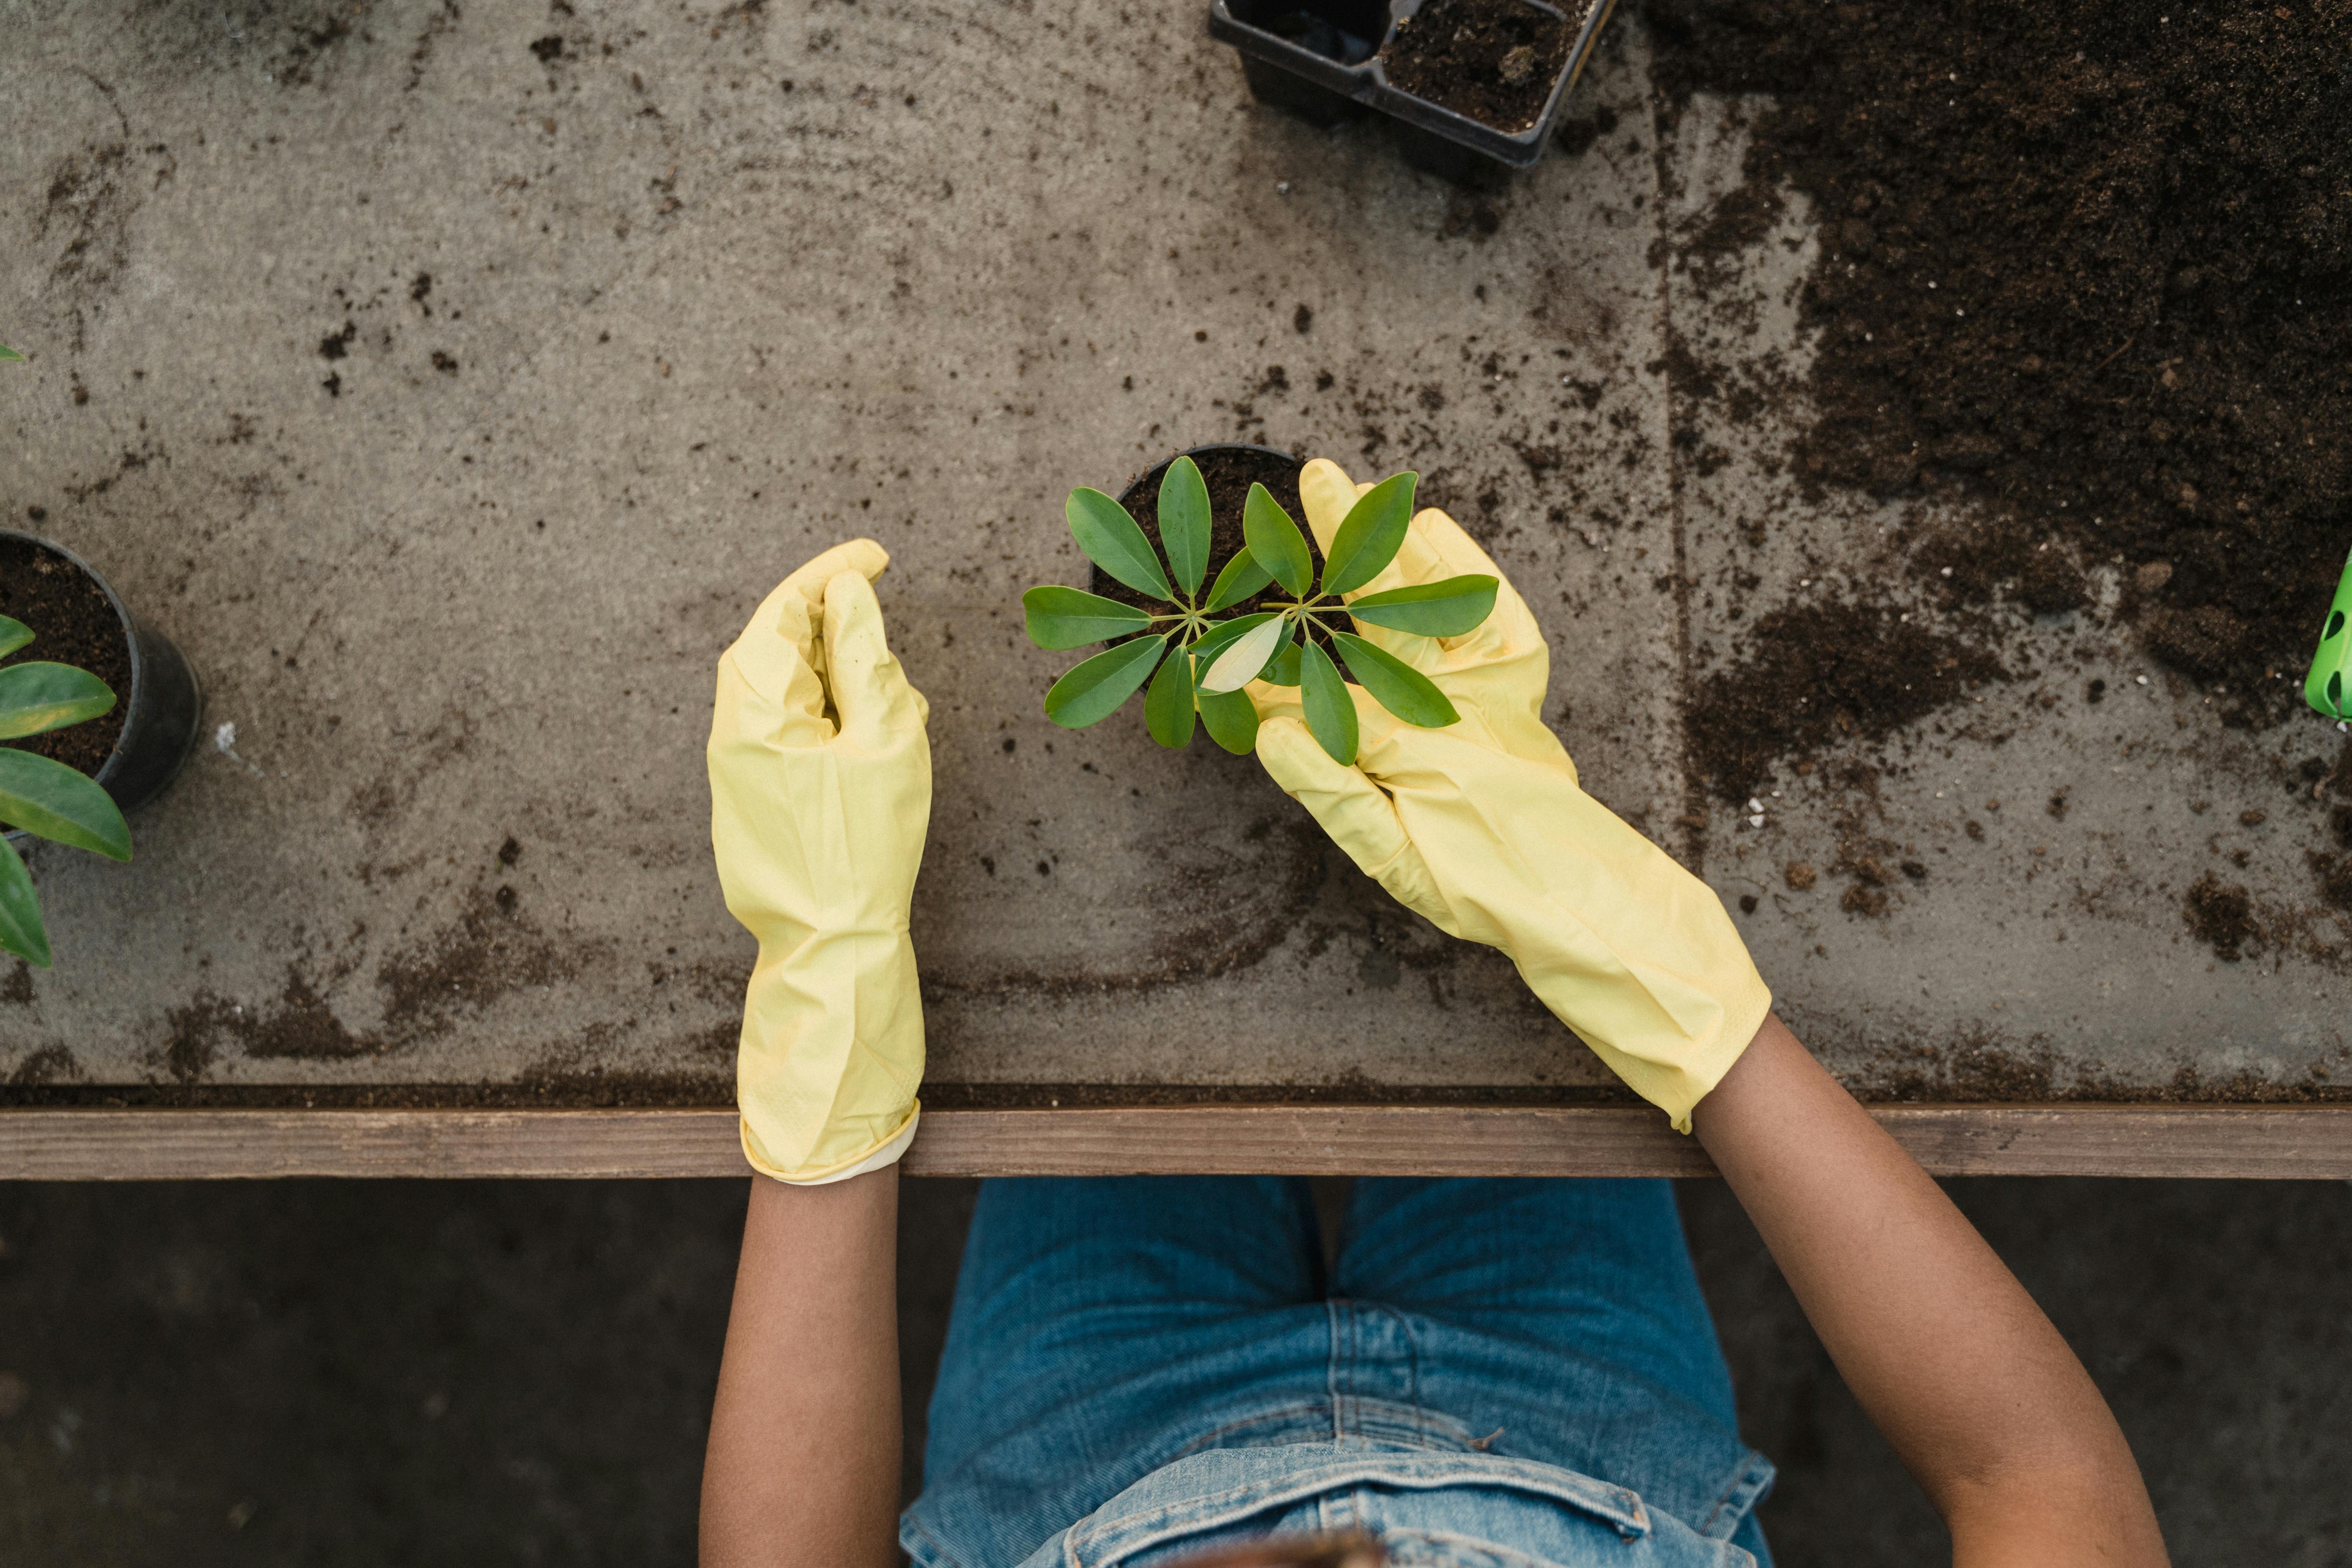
[(1198, 663)]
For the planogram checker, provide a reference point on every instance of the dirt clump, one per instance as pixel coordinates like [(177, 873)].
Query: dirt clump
[(2089, 263), (2222, 917), (1815, 675), (73, 623), (1492, 60)]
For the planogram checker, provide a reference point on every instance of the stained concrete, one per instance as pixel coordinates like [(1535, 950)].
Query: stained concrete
[(452, 384), (404, 1372)]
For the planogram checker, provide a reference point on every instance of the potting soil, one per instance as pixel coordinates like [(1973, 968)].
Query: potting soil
[(2090, 263), (73, 624), (1493, 61), (1228, 475)]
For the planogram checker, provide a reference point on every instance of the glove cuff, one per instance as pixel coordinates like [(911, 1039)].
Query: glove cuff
[(887, 1152), (1676, 1075)]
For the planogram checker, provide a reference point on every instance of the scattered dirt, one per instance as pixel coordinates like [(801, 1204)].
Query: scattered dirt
[(1817, 674), (2089, 262), (1234, 923), (1984, 1068), (2335, 874), (536, 1091), (72, 624), (491, 950), (2004, 560), (1492, 60), (2222, 917)]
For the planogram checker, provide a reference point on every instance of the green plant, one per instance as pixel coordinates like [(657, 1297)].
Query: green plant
[(43, 796), (2328, 687), (1281, 640), (9, 355)]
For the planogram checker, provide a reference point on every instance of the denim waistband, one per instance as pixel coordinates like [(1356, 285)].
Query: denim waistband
[(1432, 1507)]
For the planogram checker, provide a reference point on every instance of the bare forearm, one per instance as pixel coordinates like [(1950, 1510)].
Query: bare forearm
[(1954, 1362), (802, 1464)]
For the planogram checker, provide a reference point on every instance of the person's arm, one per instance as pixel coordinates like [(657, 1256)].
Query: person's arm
[(802, 1466), (1952, 1360)]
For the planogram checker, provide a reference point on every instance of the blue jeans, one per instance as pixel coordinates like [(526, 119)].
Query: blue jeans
[(1149, 1365)]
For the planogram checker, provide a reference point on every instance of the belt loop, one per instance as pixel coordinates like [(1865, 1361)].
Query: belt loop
[(1339, 1380)]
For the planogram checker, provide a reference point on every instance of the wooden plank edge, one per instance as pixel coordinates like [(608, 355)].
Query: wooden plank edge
[(2221, 1140)]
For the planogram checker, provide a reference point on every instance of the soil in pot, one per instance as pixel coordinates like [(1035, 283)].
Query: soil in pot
[(73, 623), (1491, 60), (1228, 472), (2089, 265)]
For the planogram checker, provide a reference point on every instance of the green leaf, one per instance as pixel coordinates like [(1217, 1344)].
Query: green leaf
[(1112, 542), (1330, 711), (1093, 691), (1231, 719), (1283, 669), (10, 356), (1394, 684), (14, 635), (1237, 664), (1446, 609), (1241, 577), (1168, 706), (1276, 543), (49, 799), (1067, 617), (38, 697), (1219, 638), (1371, 535), (1184, 522), (21, 932)]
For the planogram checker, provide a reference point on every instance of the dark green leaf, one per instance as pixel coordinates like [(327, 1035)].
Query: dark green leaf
[(1237, 664), (20, 910), (38, 697), (1330, 711), (49, 799), (1276, 543), (1446, 609), (1093, 691), (14, 635), (9, 355), (1168, 706), (1219, 638), (1371, 535), (1231, 719), (1113, 541), (1394, 684), (1283, 669), (1067, 617), (1184, 522), (1241, 577)]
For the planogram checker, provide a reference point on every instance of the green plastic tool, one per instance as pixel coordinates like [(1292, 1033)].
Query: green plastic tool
[(2328, 687)]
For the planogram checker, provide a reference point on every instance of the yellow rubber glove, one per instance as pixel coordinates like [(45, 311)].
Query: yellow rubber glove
[(1481, 828), (818, 830)]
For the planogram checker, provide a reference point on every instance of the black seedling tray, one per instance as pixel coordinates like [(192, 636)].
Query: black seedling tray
[(1321, 58)]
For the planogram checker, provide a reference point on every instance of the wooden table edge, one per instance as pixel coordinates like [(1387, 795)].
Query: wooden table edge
[(2275, 1142)]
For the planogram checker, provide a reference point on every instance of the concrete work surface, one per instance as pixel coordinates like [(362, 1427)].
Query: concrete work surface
[(451, 385)]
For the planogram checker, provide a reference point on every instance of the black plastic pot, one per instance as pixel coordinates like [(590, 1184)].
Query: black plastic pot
[(1319, 59), (164, 709)]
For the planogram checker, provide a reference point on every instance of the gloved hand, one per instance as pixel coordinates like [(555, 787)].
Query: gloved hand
[(1481, 828), (818, 830)]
